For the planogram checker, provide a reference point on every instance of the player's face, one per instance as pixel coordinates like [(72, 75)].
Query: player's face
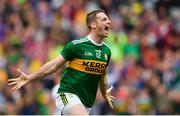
[(102, 24)]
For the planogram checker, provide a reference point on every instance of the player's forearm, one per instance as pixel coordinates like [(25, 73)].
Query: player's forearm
[(42, 72), (103, 86), (47, 69)]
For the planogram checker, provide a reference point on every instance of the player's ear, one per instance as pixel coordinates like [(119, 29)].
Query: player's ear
[(93, 25)]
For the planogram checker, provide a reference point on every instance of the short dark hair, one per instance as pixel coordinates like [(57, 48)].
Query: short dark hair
[(91, 17)]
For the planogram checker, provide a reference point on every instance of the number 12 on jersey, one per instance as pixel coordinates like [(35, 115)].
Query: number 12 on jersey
[(98, 53)]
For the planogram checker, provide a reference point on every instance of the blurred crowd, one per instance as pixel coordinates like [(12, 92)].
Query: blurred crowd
[(144, 40)]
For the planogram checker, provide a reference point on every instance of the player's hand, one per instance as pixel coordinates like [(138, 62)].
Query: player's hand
[(19, 81), (109, 98)]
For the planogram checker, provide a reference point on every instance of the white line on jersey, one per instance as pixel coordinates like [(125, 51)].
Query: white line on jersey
[(80, 41), (106, 44)]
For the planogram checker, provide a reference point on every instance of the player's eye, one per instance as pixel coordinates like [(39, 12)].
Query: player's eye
[(104, 19)]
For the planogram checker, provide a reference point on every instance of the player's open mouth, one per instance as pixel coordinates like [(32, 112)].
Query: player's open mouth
[(107, 28)]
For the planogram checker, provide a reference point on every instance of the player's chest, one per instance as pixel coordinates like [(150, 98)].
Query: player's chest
[(92, 53)]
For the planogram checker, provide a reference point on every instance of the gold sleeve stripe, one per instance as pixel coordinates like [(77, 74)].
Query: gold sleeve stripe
[(64, 99), (88, 66)]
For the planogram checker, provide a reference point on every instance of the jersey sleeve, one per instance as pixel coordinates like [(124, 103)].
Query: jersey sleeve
[(68, 51)]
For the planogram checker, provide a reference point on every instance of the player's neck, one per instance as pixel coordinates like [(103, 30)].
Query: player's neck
[(97, 39)]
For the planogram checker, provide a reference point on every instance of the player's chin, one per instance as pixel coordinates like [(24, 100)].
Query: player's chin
[(106, 34)]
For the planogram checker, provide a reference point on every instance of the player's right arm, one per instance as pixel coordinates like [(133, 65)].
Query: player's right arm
[(48, 68)]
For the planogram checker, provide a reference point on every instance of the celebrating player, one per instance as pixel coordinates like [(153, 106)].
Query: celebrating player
[(87, 59)]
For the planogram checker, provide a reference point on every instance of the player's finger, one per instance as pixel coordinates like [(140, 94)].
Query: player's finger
[(110, 104), (113, 97), (9, 80), (15, 87), (21, 72), (12, 83), (19, 87)]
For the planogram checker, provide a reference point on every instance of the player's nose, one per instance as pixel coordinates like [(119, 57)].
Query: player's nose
[(108, 21)]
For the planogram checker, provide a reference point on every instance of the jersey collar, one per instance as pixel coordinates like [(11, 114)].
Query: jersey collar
[(97, 44)]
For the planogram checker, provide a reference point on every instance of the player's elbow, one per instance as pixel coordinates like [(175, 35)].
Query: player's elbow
[(53, 68)]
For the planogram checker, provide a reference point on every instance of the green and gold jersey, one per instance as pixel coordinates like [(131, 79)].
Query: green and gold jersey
[(86, 63)]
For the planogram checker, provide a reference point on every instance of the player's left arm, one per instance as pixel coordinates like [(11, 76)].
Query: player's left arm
[(106, 93)]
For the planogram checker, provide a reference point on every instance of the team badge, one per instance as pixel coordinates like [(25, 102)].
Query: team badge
[(105, 56)]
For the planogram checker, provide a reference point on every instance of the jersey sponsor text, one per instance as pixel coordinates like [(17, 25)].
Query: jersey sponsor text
[(88, 66)]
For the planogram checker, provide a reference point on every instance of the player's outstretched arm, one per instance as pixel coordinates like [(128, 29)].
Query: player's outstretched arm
[(48, 68), (106, 93)]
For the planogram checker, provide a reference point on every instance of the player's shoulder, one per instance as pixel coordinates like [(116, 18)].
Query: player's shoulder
[(107, 48), (80, 40), (106, 45)]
